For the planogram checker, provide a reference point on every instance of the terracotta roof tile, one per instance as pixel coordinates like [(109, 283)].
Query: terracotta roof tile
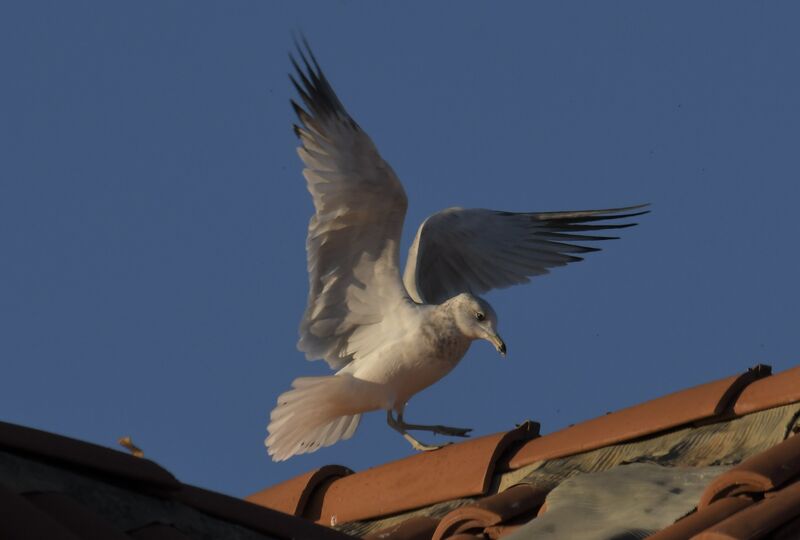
[(759, 519), (21, 520), (766, 471), (75, 517), (492, 511), (415, 528), (500, 531), (291, 496), (780, 389), (788, 531), (253, 516), (157, 531), (701, 520), (120, 465), (460, 470), (694, 404)]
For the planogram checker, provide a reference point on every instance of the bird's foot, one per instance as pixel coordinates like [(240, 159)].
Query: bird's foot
[(451, 431), (421, 446)]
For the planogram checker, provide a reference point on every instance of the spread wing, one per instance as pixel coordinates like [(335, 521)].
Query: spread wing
[(458, 250), (352, 243)]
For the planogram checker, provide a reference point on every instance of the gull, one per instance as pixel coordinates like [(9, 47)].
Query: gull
[(390, 336)]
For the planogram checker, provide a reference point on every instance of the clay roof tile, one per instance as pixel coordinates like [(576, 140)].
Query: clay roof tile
[(690, 405), (499, 531), (291, 496), (701, 520), (491, 511), (759, 519), (86, 455), (456, 471), (780, 389), (763, 472), (414, 528), (788, 531)]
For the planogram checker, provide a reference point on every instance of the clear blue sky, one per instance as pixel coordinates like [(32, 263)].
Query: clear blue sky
[(153, 215)]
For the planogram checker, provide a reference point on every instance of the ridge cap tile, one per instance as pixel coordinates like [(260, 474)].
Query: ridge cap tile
[(20, 519), (702, 519), (780, 389), (492, 510), (456, 471), (291, 496), (764, 471), (73, 516), (758, 519), (254, 516), (678, 408), (44, 444)]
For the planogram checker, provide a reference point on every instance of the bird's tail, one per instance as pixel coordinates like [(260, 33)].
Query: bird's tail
[(313, 414)]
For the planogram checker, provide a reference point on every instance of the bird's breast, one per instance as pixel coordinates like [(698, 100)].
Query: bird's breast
[(411, 364)]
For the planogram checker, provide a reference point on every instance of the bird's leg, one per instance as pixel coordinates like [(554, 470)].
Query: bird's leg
[(395, 425), (441, 430)]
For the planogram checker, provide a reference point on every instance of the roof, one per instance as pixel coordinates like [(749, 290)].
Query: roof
[(719, 460), (60, 488)]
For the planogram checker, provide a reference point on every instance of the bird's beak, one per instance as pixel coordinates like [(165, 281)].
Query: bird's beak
[(498, 344)]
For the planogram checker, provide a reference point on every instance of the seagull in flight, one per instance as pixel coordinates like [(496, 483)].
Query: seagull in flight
[(387, 335)]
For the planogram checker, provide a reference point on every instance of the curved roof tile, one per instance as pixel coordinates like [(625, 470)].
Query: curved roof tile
[(702, 519), (766, 471), (291, 496), (415, 528), (780, 389), (491, 511), (459, 470), (759, 519), (690, 405)]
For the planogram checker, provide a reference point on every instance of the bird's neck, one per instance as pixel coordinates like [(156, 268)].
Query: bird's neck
[(445, 317)]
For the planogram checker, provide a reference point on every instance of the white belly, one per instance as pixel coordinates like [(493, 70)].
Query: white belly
[(407, 366)]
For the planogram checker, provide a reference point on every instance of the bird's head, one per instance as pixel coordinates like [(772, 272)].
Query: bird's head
[(477, 320)]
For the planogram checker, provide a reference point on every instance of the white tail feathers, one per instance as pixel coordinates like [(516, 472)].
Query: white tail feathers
[(312, 415)]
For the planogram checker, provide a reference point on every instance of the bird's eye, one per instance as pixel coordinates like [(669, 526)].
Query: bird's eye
[(479, 316)]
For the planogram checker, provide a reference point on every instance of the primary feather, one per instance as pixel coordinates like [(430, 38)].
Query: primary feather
[(475, 250)]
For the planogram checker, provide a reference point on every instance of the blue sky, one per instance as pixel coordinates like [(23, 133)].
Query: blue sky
[(153, 216)]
